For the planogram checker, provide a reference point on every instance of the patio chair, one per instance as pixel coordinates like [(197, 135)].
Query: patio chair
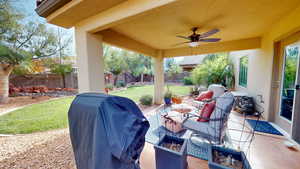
[(217, 89), (214, 129)]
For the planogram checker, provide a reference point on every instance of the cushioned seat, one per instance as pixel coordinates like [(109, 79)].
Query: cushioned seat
[(217, 89), (214, 129)]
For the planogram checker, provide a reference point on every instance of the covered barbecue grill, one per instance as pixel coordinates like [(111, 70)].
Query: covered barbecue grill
[(107, 132)]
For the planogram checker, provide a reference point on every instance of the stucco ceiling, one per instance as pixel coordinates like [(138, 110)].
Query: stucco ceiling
[(237, 19)]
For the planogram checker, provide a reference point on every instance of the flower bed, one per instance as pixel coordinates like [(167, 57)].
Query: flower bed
[(41, 91)]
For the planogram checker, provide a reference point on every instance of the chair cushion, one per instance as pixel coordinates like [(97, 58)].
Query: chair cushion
[(217, 89), (206, 111), (205, 95)]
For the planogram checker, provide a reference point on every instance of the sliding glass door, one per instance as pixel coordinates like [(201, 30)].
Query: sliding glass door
[(289, 81)]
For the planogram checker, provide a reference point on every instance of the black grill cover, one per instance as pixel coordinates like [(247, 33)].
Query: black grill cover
[(107, 132)]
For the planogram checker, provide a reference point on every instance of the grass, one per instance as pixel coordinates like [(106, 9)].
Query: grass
[(37, 117), (136, 92), (53, 114)]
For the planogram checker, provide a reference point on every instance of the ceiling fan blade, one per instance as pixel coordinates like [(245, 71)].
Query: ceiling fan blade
[(181, 43), (210, 40), (184, 37), (209, 33)]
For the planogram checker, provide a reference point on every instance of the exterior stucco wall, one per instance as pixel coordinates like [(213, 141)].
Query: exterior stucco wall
[(260, 64)]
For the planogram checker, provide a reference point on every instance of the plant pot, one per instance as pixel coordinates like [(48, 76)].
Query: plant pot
[(171, 159), (176, 100), (239, 158), (167, 101)]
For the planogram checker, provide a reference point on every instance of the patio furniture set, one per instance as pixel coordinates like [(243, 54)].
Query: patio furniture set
[(207, 119), (110, 131)]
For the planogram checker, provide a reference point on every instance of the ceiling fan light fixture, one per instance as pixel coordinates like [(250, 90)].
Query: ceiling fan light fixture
[(193, 44)]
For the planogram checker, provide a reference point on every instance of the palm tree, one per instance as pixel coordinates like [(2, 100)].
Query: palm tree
[(8, 60)]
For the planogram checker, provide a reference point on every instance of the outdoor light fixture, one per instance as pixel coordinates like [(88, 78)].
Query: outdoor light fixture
[(193, 44)]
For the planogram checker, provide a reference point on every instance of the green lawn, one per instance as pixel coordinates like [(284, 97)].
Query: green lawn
[(53, 114), (135, 93), (37, 117)]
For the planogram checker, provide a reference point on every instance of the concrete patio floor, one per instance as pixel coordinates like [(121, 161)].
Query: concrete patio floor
[(266, 152)]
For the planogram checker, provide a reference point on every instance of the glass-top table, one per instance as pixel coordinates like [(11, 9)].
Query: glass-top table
[(238, 134)]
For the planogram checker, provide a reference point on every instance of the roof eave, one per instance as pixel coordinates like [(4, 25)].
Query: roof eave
[(49, 6)]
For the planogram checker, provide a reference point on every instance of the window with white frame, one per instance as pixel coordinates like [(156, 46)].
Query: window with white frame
[(243, 71)]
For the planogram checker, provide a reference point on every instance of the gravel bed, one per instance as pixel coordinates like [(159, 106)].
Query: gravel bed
[(43, 150), (46, 150)]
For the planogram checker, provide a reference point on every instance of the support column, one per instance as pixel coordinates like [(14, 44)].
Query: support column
[(90, 62), (159, 81)]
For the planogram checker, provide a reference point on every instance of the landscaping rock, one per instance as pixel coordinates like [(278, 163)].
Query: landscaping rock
[(47, 150)]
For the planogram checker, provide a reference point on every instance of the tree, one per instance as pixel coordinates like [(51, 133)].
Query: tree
[(25, 67), (8, 59), (168, 63), (114, 62), (174, 69), (61, 69), (290, 71), (21, 40), (217, 69), (119, 61), (139, 65), (8, 19)]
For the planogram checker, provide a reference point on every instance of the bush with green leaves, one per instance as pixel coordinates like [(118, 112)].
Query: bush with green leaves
[(215, 69), (187, 81), (120, 83), (61, 69), (168, 94), (146, 100), (194, 91), (109, 86)]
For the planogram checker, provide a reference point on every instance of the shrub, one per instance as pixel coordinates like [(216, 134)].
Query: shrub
[(146, 100), (120, 84), (109, 86), (187, 81), (168, 94), (217, 69), (194, 91)]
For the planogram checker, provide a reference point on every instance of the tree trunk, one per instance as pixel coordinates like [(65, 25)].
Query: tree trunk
[(115, 80), (64, 80), (5, 71), (125, 79), (142, 78)]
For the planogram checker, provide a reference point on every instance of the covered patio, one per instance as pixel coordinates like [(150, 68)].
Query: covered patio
[(266, 151), (150, 27)]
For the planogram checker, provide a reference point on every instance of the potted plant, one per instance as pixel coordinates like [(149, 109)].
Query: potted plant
[(194, 91), (225, 158), (167, 97), (171, 153), (176, 99)]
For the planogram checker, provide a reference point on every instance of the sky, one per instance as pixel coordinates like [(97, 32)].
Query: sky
[(27, 7)]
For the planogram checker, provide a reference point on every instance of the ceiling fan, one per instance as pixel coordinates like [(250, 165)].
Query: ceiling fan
[(195, 37)]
